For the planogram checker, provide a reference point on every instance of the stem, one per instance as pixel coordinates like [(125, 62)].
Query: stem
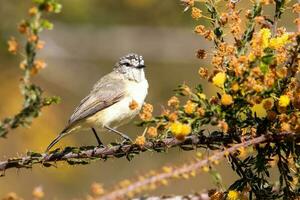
[(185, 169)]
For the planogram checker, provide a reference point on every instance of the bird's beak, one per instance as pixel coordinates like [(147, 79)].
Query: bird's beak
[(141, 66)]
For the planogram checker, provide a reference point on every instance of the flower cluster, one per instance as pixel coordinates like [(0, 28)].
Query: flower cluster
[(31, 29)]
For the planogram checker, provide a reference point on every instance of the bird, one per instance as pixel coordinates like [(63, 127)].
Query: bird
[(107, 106)]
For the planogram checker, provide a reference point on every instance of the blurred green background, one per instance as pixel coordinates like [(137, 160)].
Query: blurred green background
[(88, 38)]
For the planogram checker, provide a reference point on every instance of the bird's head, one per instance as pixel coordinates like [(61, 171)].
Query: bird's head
[(131, 65), (131, 60)]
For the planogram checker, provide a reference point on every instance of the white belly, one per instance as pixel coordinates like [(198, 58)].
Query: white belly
[(120, 113)]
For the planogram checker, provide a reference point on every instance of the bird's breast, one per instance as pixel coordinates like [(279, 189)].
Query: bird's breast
[(121, 112), (137, 91)]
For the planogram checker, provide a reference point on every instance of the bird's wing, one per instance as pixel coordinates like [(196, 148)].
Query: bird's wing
[(105, 93)]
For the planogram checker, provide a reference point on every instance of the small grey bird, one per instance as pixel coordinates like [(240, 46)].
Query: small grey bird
[(108, 104)]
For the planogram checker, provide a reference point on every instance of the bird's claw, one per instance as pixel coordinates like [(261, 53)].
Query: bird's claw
[(126, 140)]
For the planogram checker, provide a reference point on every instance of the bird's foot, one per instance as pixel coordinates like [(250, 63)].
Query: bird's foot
[(126, 140), (101, 145)]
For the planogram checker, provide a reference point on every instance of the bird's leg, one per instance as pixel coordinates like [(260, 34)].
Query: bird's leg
[(97, 138), (119, 133)]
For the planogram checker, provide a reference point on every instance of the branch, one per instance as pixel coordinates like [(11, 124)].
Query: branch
[(84, 155), (202, 196), (185, 169)]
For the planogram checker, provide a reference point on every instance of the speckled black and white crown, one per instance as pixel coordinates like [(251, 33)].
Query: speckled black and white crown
[(131, 60)]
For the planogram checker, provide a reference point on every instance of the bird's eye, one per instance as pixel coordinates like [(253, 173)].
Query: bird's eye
[(127, 64)]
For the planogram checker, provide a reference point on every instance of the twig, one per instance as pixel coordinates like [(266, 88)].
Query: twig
[(202, 196), (185, 169), (84, 155), (33, 99)]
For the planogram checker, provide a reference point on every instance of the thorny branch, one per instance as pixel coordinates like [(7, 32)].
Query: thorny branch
[(84, 155), (188, 167), (200, 196)]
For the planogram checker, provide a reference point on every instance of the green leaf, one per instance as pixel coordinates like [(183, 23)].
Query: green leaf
[(33, 154), (264, 67), (267, 59), (51, 100), (57, 7), (46, 24)]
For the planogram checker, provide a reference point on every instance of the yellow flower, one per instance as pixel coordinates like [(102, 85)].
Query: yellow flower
[(133, 105), (186, 129), (223, 126), (284, 101), (196, 13), (152, 131), (167, 169), (219, 79), (38, 65), (285, 127), (203, 72), (190, 107), (12, 45), (38, 193), (205, 169), (233, 195), (279, 42), (251, 56), (201, 111), (265, 35), (97, 189), (33, 11), (242, 152), (146, 113), (235, 87), (140, 140), (176, 128), (180, 130), (226, 99), (173, 102), (200, 29)]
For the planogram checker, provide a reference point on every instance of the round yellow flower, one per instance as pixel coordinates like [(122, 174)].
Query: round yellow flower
[(284, 101), (233, 195), (140, 140), (190, 107), (235, 87), (176, 128), (265, 35), (38, 192), (186, 129), (251, 56), (279, 42), (196, 13), (152, 131), (226, 99), (219, 79), (180, 130)]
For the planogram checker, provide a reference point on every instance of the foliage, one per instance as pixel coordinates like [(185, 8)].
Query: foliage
[(255, 65), (259, 67), (33, 94)]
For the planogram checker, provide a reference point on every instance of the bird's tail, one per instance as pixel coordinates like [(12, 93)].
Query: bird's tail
[(56, 140)]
